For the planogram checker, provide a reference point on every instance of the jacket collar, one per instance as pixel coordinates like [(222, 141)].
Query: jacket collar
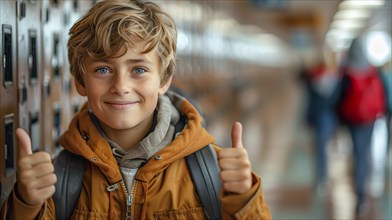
[(83, 138), (192, 138)]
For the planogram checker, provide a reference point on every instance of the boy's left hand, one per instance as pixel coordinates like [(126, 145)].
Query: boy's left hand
[(234, 164)]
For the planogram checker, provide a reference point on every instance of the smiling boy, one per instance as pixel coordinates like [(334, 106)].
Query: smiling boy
[(122, 55), (123, 93)]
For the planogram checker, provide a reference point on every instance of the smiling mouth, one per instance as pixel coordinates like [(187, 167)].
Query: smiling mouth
[(121, 105)]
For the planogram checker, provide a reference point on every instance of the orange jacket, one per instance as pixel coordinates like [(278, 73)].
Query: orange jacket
[(163, 187)]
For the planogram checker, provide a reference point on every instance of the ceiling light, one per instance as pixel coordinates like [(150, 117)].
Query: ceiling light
[(347, 24), (339, 34), (361, 3), (352, 14), (378, 47)]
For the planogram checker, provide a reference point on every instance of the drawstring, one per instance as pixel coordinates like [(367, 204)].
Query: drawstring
[(144, 209)]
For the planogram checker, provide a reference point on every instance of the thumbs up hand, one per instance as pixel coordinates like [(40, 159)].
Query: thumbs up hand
[(234, 163), (36, 172)]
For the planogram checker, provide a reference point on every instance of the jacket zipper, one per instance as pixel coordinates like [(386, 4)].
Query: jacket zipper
[(128, 197)]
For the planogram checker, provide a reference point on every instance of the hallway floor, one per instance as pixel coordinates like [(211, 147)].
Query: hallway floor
[(281, 150), (291, 193)]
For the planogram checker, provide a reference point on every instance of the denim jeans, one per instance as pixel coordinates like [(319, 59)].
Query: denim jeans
[(325, 125), (361, 137)]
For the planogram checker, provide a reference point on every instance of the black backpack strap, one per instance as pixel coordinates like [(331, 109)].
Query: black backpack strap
[(204, 169), (69, 169)]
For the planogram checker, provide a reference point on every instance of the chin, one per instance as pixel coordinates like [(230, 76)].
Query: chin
[(123, 127)]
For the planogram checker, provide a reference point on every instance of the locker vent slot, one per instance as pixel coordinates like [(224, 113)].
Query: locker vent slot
[(56, 56), (56, 126), (35, 130), (9, 147), (33, 57), (7, 55)]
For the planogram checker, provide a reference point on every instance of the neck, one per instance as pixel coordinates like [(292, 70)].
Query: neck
[(128, 138)]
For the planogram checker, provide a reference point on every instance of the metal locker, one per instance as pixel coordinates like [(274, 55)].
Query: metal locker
[(29, 68), (70, 99), (8, 97), (52, 29)]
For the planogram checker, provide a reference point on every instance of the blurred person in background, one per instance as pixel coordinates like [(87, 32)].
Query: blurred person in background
[(361, 102), (387, 80), (321, 82), (381, 138)]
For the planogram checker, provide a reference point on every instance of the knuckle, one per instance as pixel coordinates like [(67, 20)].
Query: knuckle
[(52, 190), (51, 168), (45, 156), (220, 163), (22, 175), (22, 163), (45, 168), (53, 178), (242, 187), (243, 175), (245, 163), (219, 154), (227, 186), (223, 176), (243, 152)]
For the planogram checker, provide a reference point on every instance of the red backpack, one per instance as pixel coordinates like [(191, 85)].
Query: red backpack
[(364, 98)]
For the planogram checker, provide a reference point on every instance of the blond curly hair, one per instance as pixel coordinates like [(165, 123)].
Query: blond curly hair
[(111, 25)]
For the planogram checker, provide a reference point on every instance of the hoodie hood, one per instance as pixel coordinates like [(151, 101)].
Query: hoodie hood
[(166, 117), (356, 56), (83, 138)]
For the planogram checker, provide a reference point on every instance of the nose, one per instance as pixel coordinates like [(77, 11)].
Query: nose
[(121, 84)]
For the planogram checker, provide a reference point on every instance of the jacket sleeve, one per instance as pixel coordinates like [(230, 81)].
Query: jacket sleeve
[(14, 208), (249, 205)]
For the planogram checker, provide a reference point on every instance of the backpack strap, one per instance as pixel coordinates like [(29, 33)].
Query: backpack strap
[(202, 165), (204, 169), (69, 169)]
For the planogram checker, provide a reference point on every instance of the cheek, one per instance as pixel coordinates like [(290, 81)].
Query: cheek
[(94, 91), (151, 94), (153, 87)]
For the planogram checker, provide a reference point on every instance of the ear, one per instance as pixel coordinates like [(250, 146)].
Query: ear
[(166, 86), (80, 88)]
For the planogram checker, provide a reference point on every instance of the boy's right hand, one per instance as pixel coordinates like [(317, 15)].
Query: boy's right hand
[(36, 172)]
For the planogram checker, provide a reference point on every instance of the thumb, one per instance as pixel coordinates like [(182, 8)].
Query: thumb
[(236, 135), (24, 143)]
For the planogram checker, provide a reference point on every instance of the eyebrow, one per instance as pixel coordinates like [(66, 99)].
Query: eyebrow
[(132, 61), (129, 61)]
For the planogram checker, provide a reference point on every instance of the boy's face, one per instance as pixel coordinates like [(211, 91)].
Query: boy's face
[(123, 92)]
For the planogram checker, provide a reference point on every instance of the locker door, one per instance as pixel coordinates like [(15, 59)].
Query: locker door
[(8, 97), (52, 29), (29, 68)]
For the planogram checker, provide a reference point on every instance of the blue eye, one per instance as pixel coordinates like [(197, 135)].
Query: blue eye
[(102, 70), (139, 71)]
